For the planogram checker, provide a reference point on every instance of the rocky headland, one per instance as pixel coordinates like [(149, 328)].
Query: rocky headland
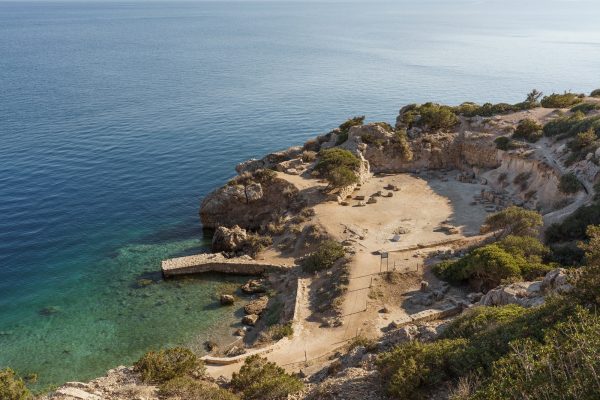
[(382, 241)]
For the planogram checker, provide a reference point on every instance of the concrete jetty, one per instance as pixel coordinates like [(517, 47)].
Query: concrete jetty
[(202, 263)]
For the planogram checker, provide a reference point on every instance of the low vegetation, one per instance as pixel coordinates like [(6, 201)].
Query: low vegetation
[(263, 380), (595, 93), (370, 345), (503, 143), (585, 107), (12, 386), (411, 369), (192, 389), (505, 352), (327, 254), (279, 331), (401, 145), (469, 109), (514, 221), (489, 266), (564, 100), (518, 255), (164, 365), (529, 130), (563, 365), (568, 126), (581, 145), (569, 183), (430, 116), (338, 166), (345, 128), (573, 227)]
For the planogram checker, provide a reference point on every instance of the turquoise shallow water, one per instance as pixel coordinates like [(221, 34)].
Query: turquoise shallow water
[(117, 118)]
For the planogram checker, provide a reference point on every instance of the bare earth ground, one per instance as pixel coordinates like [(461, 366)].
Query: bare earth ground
[(419, 208)]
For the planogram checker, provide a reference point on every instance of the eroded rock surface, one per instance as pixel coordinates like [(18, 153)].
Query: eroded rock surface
[(249, 201)]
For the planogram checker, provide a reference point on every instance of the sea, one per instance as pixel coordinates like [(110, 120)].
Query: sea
[(117, 118)]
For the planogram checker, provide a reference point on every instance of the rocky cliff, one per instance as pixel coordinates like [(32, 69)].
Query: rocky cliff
[(251, 200)]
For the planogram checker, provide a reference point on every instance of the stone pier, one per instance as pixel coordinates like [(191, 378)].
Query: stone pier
[(202, 263)]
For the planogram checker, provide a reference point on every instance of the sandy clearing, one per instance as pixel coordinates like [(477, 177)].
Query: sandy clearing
[(420, 206)]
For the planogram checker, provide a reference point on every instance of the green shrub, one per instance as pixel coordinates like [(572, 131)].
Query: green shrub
[(309, 156), (435, 116), (341, 177), (514, 221), (327, 254), (528, 129), (338, 166), (362, 341), (569, 183), (401, 145), (595, 93), (573, 227), (164, 365), (345, 128), (583, 140), (410, 369), (567, 254), (528, 247), (430, 116), (470, 109), (482, 318), (533, 99), (503, 143), (588, 281), (190, 389), (511, 258), (263, 380), (564, 100), (12, 386), (488, 266), (569, 126), (256, 243), (279, 331), (585, 107), (563, 366)]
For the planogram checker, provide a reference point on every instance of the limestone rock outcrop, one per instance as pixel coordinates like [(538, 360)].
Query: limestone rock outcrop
[(228, 239), (250, 200), (256, 306), (528, 294), (269, 161), (227, 299)]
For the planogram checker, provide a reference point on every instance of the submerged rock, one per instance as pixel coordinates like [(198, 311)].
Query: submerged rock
[(254, 286), (48, 311), (227, 299), (250, 319), (256, 306)]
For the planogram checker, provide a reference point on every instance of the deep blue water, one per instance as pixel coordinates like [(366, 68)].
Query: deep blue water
[(116, 118)]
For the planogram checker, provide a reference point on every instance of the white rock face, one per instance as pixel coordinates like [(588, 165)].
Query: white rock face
[(226, 239), (556, 281), (528, 294), (74, 393)]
